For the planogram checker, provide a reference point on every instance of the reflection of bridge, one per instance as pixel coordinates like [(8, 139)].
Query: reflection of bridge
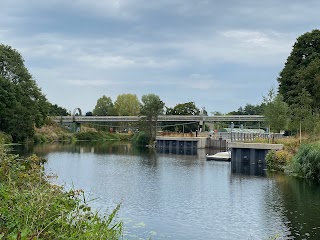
[(161, 118)]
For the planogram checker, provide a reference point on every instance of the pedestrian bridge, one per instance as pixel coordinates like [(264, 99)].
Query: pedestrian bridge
[(161, 118)]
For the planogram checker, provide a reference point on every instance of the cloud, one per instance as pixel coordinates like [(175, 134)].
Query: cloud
[(174, 48), (90, 83)]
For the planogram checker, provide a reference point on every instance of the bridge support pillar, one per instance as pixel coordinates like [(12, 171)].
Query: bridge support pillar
[(76, 127)]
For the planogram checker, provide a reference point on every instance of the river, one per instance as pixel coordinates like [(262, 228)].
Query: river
[(166, 196)]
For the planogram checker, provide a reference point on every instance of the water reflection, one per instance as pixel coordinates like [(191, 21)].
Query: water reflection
[(82, 147), (246, 168), (171, 196), (301, 206)]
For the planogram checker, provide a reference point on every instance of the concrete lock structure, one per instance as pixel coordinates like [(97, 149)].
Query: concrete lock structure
[(249, 158)]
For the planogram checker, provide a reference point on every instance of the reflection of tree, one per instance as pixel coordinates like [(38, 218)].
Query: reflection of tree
[(301, 201), (81, 147)]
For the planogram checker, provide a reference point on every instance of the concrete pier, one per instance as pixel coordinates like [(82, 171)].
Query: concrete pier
[(249, 158)]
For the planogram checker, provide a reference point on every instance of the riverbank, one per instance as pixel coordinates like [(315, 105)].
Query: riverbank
[(299, 158), (32, 208), (55, 133)]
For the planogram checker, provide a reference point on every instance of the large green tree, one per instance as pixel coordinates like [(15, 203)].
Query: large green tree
[(104, 107), (22, 104), (151, 107), (127, 104), (302, 71)]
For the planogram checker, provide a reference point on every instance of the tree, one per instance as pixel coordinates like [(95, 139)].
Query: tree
[(127, 105), (55, 110), (151, 107), (302, 70), (301, 113), (249, 109), (104, 107), (240, 111), (275, 111), (188, 108), (23, 105)]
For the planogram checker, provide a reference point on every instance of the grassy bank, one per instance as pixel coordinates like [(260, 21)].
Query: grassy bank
[(32, 208), (297, 159)]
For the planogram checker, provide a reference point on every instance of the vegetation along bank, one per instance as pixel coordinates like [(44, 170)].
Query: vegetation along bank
[(51, 212)]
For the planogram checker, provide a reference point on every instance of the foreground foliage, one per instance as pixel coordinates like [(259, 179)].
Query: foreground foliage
[(32, 208)]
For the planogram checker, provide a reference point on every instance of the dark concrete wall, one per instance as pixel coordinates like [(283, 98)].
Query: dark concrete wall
[(177, 147), (248, 161)]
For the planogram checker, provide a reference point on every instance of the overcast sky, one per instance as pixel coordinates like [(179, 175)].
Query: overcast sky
[(219, 54)]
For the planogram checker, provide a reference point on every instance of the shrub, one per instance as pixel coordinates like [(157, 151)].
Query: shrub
[(306, 163), (277, 160)]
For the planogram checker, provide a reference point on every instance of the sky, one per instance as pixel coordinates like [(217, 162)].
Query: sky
[(221, 55)]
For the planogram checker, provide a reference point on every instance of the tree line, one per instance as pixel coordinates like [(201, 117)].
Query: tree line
[(293, 106)]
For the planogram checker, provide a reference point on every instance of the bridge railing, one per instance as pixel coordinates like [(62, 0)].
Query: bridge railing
[(249, 137)]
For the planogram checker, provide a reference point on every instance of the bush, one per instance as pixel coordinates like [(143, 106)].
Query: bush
[(32, 208), (278, 160), (306, 163), (141, 139)]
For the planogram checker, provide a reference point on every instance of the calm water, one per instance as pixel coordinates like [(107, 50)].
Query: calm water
[(184, 196)]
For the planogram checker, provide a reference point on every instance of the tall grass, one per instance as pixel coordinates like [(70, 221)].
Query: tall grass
[(32, 208)]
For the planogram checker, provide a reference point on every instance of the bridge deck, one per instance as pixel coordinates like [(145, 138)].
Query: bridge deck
[(162, 118)]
